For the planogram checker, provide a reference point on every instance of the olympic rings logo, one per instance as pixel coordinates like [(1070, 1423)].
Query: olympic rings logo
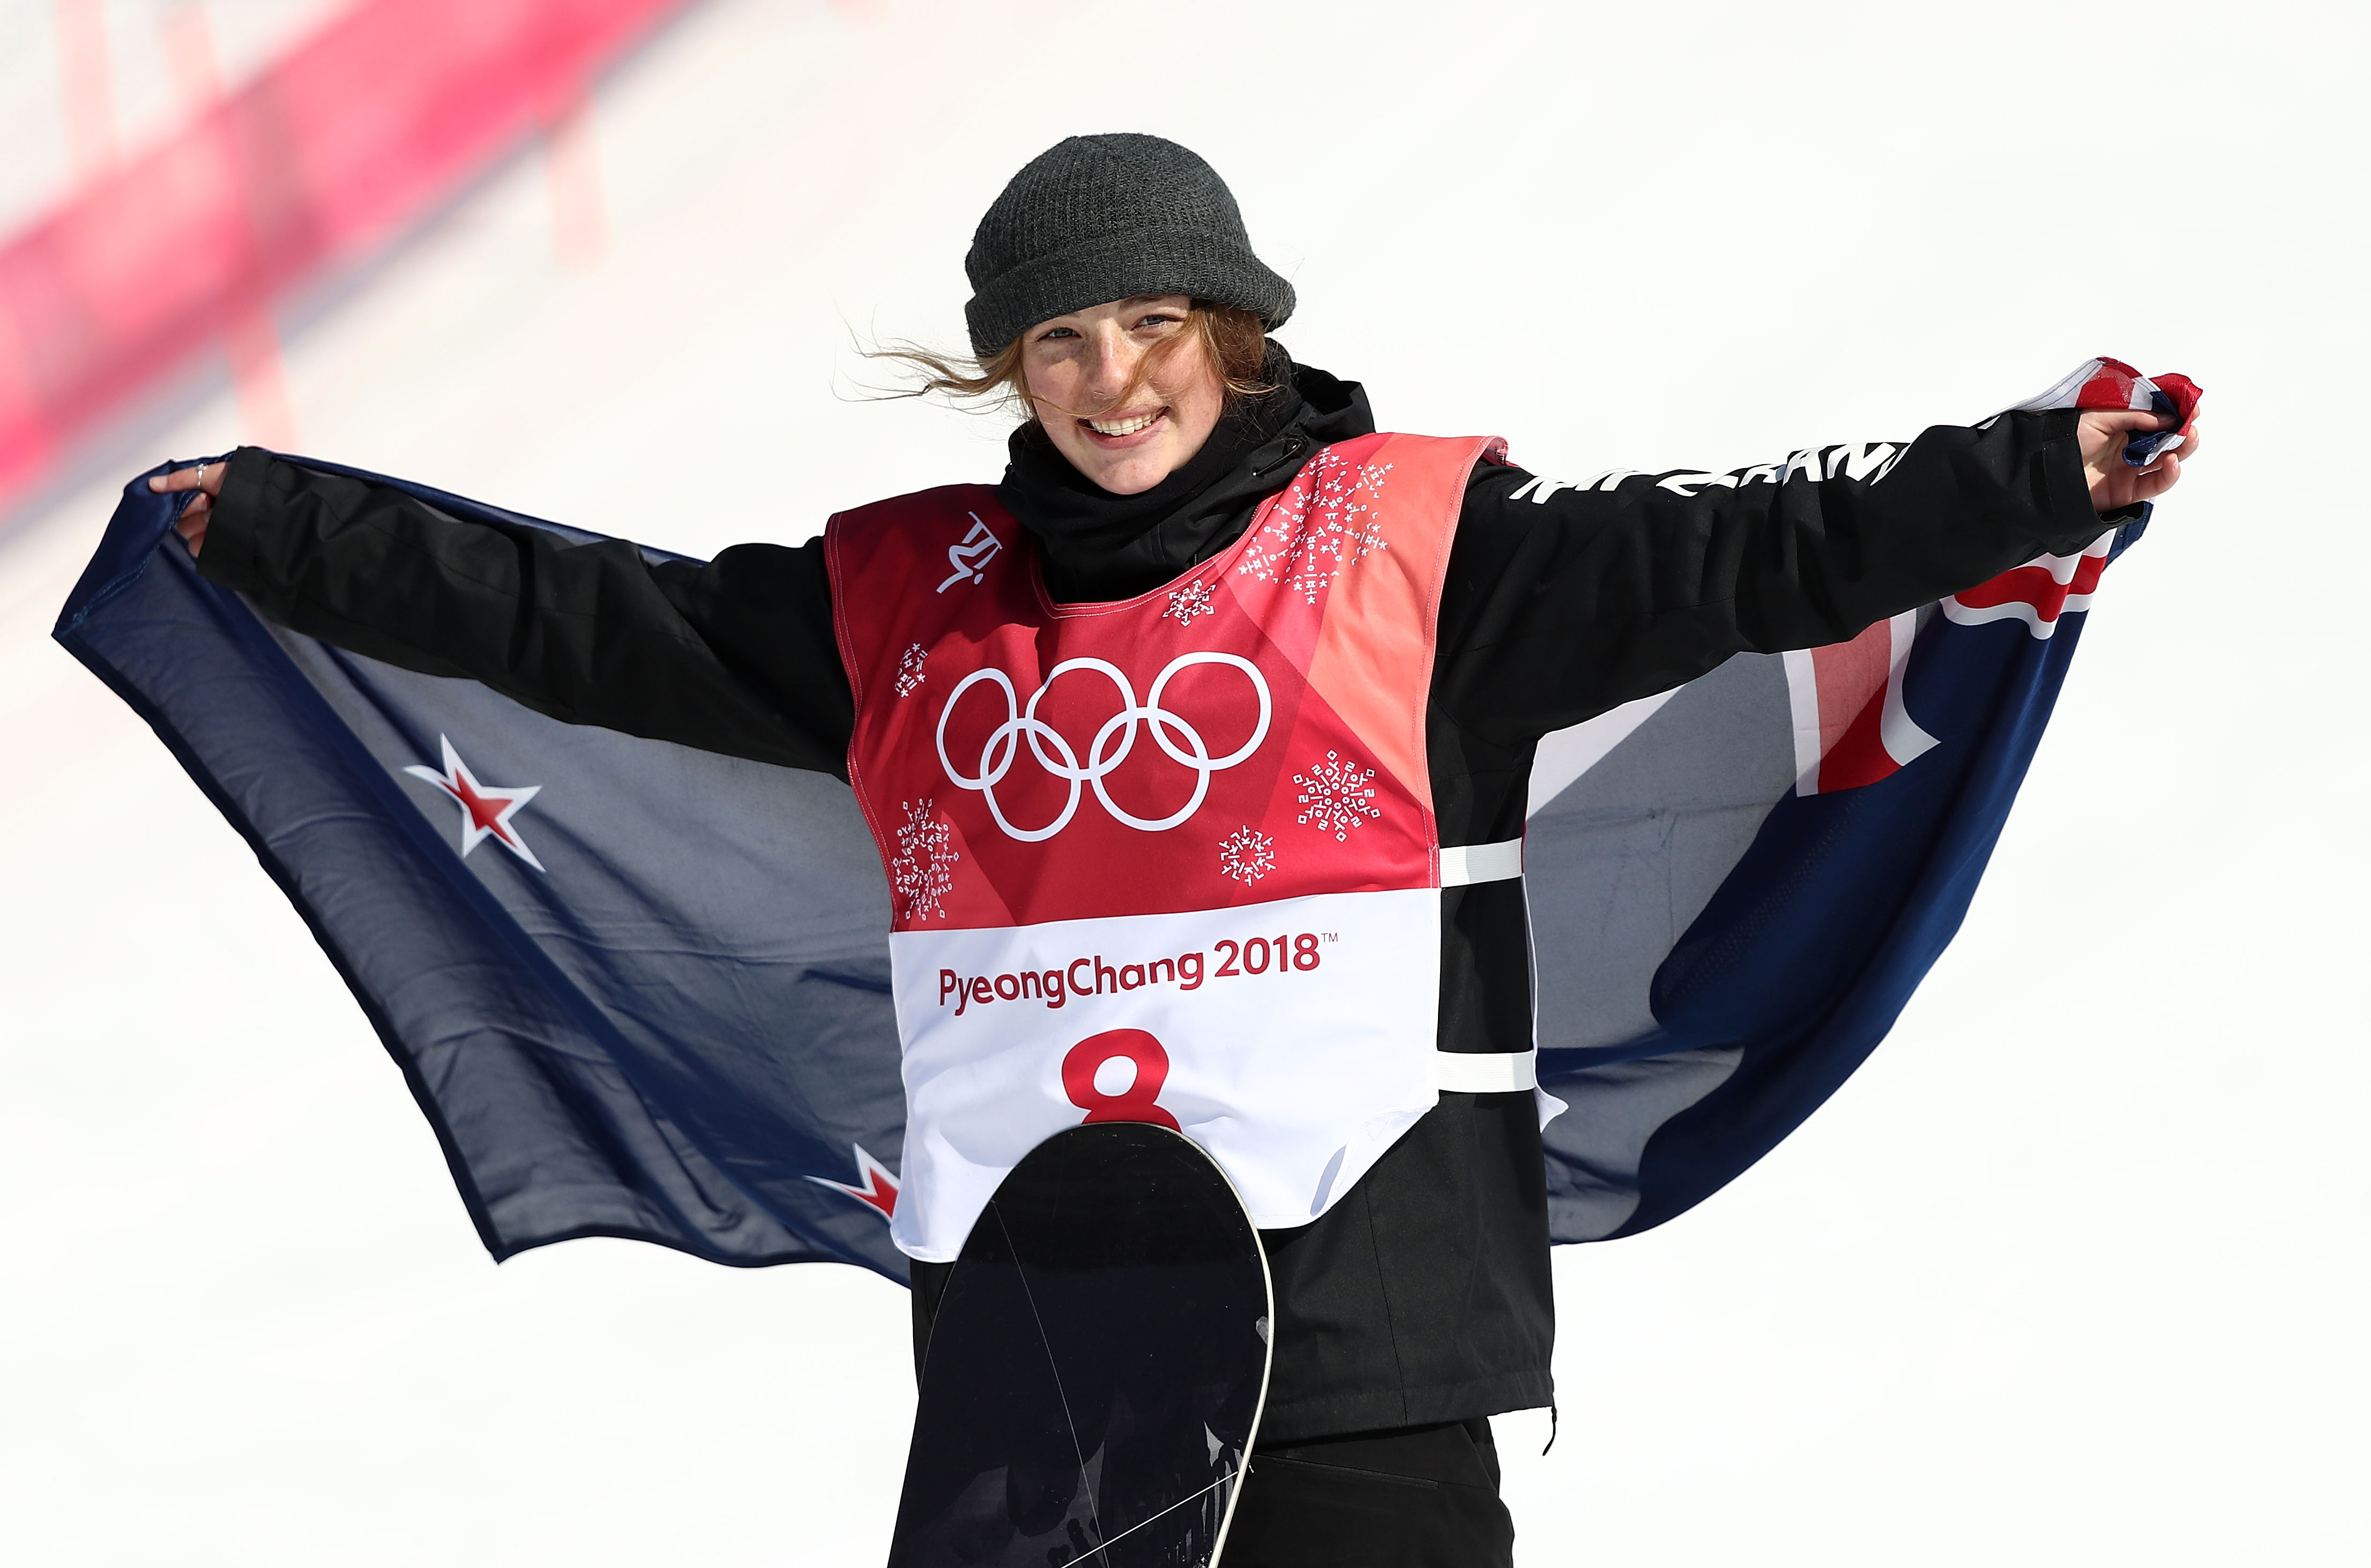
[(1181, 742)]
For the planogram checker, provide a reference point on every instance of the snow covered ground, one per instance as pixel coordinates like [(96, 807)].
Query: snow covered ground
[(2073, 1272)]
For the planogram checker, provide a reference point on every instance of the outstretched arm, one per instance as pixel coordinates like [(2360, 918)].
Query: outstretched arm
[(1565, 601), (734, 655)]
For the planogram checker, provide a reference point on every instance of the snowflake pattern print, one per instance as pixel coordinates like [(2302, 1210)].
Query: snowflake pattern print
[(922, 872), (1325, 523), (1336, 796), (1247, 855), (909, 670), (1185, 603)]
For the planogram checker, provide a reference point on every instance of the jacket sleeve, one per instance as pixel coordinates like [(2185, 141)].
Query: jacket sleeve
[(1565, 601), (734, 655)]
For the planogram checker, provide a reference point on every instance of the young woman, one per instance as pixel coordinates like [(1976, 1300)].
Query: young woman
[(1212, 645)]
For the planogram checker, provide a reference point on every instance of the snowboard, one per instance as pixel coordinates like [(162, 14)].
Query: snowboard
[(1095, 1370)]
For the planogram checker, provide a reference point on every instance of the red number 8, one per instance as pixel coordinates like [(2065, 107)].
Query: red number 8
[(1134, 1103)]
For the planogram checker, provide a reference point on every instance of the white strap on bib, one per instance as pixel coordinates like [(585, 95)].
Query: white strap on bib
[(1466, 864), (1496, 1072)]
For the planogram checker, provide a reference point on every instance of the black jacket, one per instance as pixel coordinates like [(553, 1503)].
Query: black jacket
[(1423, 1296)]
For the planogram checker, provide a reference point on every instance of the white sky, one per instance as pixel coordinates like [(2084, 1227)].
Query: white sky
[(2073, 1272)]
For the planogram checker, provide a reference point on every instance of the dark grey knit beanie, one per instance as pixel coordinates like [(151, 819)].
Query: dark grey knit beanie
[(1098, 218)]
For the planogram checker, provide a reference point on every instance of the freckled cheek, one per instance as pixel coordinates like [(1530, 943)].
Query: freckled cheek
[(1044, 386), (1193, 417)]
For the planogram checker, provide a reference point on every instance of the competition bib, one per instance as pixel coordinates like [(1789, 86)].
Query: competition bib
[(1168, 859)]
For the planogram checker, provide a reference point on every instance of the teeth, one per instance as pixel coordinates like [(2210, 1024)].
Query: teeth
[(1123, 427)]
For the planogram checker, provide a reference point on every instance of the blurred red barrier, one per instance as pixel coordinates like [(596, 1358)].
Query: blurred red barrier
[(355, 132)]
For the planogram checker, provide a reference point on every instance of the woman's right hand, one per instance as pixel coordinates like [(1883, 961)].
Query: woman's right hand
[(207, 481)]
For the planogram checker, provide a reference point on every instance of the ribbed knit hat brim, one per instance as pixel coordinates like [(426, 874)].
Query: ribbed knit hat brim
[(1100, 218)]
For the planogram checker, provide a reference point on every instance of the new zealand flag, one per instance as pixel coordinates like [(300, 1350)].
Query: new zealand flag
[(642, 990)]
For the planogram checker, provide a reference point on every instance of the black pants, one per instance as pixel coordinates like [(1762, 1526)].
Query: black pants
[(1420, 1497)]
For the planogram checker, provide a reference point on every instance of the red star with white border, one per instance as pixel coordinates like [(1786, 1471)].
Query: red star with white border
[(486, 810), (879, 1188)]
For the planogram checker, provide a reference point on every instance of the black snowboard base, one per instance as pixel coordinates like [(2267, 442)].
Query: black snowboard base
[(1095, 1371)]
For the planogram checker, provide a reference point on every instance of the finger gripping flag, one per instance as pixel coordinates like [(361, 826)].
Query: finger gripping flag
[(2103, 383)]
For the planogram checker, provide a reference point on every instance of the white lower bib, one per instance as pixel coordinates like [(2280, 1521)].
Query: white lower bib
[(1293, 1041)]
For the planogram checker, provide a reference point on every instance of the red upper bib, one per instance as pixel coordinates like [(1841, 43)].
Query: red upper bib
[(1253, 731)]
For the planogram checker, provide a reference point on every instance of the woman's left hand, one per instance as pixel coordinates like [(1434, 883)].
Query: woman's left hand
[(2115, 482), (207, 481)]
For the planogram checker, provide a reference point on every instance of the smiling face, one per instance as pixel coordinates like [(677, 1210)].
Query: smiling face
[(1079, 369)]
